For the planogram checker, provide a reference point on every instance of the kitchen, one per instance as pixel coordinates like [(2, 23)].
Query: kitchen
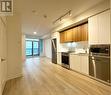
[(69, 43), (84, 47)]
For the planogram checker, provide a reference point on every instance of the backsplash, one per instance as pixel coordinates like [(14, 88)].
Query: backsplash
[(74, 46)]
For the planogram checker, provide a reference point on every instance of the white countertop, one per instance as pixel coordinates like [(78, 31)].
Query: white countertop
[(84, 54), (73, 53)]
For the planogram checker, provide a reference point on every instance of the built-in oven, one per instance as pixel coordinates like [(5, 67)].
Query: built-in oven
[(65, 60), (99, 62)]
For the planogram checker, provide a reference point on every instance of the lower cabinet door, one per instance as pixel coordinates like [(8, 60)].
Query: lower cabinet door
[(84, 65), (59, 58), (75, 63), (79, 63)]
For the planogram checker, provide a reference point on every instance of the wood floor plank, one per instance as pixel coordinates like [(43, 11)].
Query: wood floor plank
[(41, 77)]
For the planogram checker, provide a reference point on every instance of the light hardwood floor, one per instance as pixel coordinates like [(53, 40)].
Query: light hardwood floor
[(41, 77)]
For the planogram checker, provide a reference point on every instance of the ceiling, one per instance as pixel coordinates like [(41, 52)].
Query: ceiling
[(38, 15)]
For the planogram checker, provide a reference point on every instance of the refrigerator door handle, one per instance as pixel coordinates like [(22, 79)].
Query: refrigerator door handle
[(54, 46)]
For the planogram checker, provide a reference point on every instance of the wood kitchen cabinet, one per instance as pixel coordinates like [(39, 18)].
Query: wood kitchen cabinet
[(80, 33), (84, 32), (62, 37), (76, 34), (69, 35), (66, 36), (99, 28)]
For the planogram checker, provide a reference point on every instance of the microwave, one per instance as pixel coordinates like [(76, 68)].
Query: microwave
[(103, 50)]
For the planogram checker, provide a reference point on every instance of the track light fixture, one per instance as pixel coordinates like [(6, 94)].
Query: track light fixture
[(60, 18)]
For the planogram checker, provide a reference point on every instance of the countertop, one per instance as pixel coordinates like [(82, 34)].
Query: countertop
[(82, 54), (73, 53)]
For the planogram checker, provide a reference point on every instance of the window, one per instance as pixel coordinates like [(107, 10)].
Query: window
[(29, 48), (32, 48), (35, 48)]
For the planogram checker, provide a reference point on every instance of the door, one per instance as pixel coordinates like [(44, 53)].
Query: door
[(75, 63), (79, 36), (104, 27), (84, 64), (99, 28), (84, 32), (3, 55), (75, 33), (35, 48), (63, 37), (69, 35), (29, 48), (54, 51), (59, 58), (93, 30), (32, 48)]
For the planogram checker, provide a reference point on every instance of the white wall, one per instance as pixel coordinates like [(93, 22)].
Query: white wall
[(47, 48), (3, 54), (23, 48), (14, 37)]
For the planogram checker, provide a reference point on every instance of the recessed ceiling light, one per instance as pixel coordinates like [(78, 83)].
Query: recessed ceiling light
[(45, 16), (33, 11), (35, 33)]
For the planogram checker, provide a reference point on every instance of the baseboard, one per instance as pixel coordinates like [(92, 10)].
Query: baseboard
[(3, 86), (9, 78), (15, 76)]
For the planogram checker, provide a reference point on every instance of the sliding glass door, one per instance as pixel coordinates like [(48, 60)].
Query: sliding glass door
[(29, 48), (35, 48), (32, 48)]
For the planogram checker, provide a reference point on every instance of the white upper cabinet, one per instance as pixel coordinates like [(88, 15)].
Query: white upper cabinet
[(104, 27), (99, 28), (93, 30)]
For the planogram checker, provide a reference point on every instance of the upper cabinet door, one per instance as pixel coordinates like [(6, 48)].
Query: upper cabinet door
[(93, 30), (84, 32), (62, 37), (104, 27), (79, 34), (74, 35), (99, 28), (69, 35)]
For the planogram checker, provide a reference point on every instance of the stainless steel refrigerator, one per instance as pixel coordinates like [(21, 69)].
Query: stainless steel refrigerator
[(54, 50)]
